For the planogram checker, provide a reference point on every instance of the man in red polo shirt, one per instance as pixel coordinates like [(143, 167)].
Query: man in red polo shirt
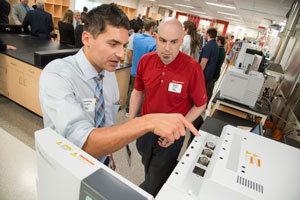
[(173, 82)]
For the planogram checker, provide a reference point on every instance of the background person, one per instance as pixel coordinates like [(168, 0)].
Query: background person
[(4, 12), (4, 46), (40, 21), (76, 20), (191, 43), (19, 11), (66, 29), (79, 31), (143, 43)]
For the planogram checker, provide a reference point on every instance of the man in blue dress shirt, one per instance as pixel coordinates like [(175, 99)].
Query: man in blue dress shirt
[(67, 90)]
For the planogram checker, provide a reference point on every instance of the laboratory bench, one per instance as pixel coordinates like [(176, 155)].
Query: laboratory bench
[(238, 109), (20, 69)]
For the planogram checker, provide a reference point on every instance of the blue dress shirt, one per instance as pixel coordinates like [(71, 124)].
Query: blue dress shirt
[(65, 84)]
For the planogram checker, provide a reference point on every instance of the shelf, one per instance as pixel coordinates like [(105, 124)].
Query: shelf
[(55, 22), (64, 9), (57, 11), (49, 8), (66, 2), (130, 12), (58, 2)]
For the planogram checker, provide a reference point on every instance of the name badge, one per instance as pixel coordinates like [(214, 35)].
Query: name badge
[(89, 104), (174, 87)]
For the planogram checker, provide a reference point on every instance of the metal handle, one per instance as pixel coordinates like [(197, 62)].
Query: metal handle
[(20, 81), (13, 63), (25, 82), (32, 72)]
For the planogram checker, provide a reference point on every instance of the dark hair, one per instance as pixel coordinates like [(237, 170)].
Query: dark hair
[(85, 9), (68, 17), (136, 27), (148, 23), (212, 32), (83, 17), (221, 39), (195, 41), (97, 19)]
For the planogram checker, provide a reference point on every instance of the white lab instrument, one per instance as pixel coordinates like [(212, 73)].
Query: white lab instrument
[(66, 172), (241, 87), (237, 166)]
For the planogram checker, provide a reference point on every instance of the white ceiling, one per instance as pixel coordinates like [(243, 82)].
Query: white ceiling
[(250, 13)]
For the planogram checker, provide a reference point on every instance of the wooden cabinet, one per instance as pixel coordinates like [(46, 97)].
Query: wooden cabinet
[(130, 12), (31, 84), (57, 9), (20, 83), (3, 78), (15, 85)]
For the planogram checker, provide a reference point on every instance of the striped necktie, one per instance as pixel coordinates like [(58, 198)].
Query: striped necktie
[(99, 111), (100, 115)]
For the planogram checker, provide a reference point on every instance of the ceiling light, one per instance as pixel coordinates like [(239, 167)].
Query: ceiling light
[(195, 11), (164, 6), (220, 5), (224, 13), (282, 24), (186, 6), (208, 17), (233, 19)]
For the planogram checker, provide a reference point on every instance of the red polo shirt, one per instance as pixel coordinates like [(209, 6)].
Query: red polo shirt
[(170, 88)]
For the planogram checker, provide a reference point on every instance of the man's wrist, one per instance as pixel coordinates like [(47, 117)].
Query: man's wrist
[(147, 122)]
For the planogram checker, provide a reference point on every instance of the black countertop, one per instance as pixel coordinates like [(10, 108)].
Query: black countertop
[(27, 45)]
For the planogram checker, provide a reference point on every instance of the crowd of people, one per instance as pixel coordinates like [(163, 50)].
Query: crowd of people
[(173, 70)]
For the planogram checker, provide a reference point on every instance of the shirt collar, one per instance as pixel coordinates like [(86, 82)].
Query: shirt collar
[(25, 6), (85, 66), (171, 65)]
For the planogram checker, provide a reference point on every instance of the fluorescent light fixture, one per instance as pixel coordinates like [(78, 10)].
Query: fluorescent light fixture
[(282, 23), (195, 11), (220, 5), (186, 6), (233, 19), (230, 14), (208, 17), (165, 6)]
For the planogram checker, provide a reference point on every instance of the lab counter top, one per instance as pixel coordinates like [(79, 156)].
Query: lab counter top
[(27, 45), (20, 69)]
